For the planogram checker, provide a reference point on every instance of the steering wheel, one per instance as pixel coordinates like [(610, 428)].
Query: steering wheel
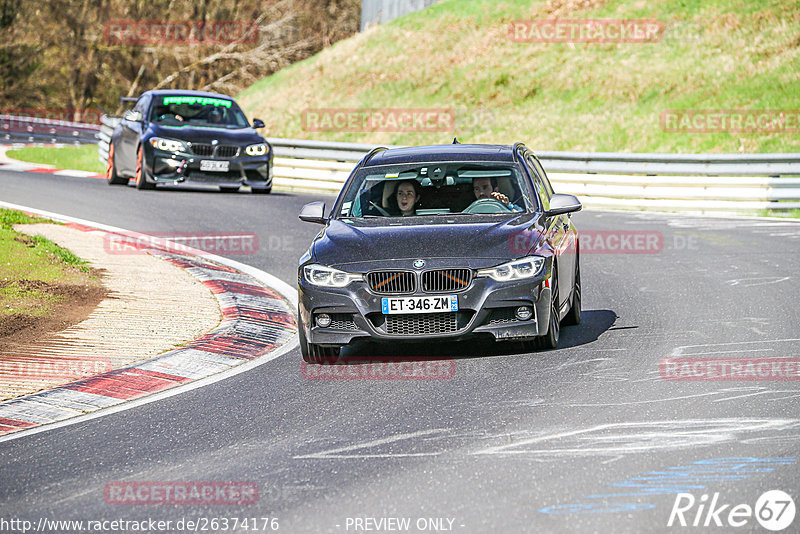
[(487, 205)]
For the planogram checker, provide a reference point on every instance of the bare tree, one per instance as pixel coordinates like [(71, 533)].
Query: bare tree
[(60, 53)]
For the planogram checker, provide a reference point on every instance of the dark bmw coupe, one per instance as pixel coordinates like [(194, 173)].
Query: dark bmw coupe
[(440, 243), (174, 137)]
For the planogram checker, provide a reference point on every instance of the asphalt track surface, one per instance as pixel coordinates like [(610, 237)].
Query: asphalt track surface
[(586, 438)]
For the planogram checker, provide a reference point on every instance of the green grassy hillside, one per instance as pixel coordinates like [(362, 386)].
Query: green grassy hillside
[(457, 55)]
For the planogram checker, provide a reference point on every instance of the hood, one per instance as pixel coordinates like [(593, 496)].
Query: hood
[(343, 244), (204, 134)]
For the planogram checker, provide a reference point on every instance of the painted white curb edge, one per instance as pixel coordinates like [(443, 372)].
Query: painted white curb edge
[(271, 281)]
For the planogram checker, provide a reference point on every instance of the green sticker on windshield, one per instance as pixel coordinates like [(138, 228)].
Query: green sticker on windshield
[(201, 100)]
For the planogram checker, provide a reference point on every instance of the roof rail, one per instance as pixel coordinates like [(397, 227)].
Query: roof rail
[(516, 147), (372, 153)]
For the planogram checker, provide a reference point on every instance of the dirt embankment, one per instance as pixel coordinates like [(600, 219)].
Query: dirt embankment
[(75, 303), (129, 307)]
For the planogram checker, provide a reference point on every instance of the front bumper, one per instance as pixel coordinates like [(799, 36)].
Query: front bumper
[(178, 168), (486, 308)]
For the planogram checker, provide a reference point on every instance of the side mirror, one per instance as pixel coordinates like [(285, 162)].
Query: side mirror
[(314, 212), (133, 116), (561, 203), (258, 123)]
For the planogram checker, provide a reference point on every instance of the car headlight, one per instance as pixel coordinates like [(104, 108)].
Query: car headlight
[(168, 145), (256, 150), (515, 270), (319, 275)]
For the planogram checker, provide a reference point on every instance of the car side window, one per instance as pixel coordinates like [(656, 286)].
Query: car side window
[(537, 173), (141, 106), (545, 179)]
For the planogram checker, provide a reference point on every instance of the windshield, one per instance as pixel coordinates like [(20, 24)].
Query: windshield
[(179, 110), (440, 188)]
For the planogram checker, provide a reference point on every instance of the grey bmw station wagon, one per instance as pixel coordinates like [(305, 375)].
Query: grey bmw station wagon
[(439, 243)]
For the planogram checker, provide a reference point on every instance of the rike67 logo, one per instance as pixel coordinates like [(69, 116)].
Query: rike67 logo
[(774, 510)]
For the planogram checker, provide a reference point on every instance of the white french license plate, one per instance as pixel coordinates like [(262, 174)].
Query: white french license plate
[(444, 303), (214, 165)]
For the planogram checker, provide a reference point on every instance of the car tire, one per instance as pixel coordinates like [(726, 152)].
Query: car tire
[(226, 189), (573, 317), (141, 172), (111, 169), (550, 339), (323, 355), (315, 353), (261, 190)]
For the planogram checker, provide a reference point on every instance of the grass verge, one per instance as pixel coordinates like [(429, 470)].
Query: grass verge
[(786, 214), (79, 158), (36, 275)]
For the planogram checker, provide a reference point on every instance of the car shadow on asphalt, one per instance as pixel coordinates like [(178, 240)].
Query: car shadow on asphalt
[(593, 324), (208, 189)]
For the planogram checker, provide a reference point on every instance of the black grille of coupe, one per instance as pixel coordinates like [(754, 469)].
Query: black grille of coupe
[(389, 282), (202, 149), (227, 151), (424, 323), (222, 151), (446, 280)]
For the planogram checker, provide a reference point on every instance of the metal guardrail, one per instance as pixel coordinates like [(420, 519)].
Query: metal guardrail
[(673, 164), (21, 128), (589, 162), (672, 182), (382, 11), (104, 136)]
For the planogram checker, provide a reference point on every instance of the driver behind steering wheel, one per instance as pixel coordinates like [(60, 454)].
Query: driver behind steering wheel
[(487, 188)]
